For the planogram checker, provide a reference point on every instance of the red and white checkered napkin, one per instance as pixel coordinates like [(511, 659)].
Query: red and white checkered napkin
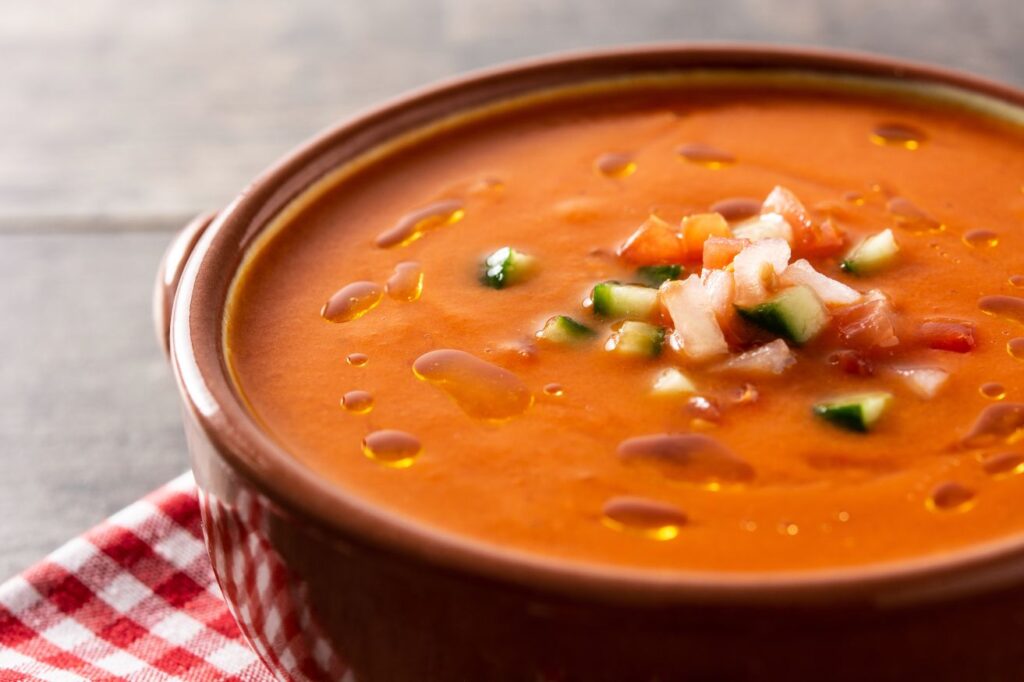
[(133, 599)]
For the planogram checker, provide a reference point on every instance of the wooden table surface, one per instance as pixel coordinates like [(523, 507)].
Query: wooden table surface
[(119, 119)]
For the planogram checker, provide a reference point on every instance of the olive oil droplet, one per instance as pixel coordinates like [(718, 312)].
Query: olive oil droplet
[(693, 458), (706, 155), (392, 448), (1007, 307), (789, 529), (615, 165), (1015, 347), (999, 423), (357, 359), (897, 135), (651, 519), (950, 497), (481, 389), (1003, 464), (351, 302), (414, 225), (981, 239), (406, 284), (357, 402), (555, 390), (1017, 280), (911, 218), (736, 208), (993, 390)]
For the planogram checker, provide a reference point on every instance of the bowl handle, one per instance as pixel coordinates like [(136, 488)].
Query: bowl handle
[(171, 267)]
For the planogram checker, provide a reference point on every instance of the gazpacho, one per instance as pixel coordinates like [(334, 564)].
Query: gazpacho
[(755, 324)]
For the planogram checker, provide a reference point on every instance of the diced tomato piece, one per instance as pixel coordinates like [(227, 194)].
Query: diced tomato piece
[(656, 242), (719, 251), (782, 201), (810, 238), (852, 362), (698, 228), (868, 325), (956, 337), (821, 240)]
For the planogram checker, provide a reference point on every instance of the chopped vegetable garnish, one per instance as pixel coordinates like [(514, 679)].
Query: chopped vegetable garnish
[(825, 239), (720, 286), (766, 226), (858, 412), (869, 324), (506, 267), (696, 326), (563, 329), (949, 335), (757, 268), (809, 238), (655, 275), (796, 314), (923, 381), (719, 251), (698, 228), (771, 358), (875, 253), (656, 242), (637, 339), (783, 202), (625, 301), (671, 381), (828, 290), (852, 362)]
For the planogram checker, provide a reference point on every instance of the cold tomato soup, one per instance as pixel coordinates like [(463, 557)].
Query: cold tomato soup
[(676, 324)]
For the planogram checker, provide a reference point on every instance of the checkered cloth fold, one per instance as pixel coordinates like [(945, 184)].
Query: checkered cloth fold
[(132, 599)]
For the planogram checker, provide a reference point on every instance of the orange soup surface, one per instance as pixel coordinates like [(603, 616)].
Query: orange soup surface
[(733, 327)]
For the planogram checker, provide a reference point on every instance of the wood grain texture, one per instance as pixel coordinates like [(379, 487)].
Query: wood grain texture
[(119, 119), (113, 106), (89, 418)]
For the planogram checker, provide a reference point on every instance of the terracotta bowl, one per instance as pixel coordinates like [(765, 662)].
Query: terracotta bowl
[(326, 586)]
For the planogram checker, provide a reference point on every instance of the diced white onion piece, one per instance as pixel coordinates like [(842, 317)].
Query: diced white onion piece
[(756, 266), (721, 288), (830, 291), (769, 359), (764, 226), (925, 382), (671, 381), (697, 333)]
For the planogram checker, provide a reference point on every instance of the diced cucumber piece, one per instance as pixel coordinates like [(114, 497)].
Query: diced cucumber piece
[(875, 253), (857, 412), (505, 267), (563, 329), (636, 339), (671, 382), (796, 314), (624, 301), (656, 275)]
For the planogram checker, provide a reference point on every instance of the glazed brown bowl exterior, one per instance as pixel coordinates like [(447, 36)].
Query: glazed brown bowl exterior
[(325, 586)]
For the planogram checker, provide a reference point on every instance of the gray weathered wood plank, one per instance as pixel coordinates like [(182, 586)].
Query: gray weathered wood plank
[(119, 106), (89, 418), (119, 118)]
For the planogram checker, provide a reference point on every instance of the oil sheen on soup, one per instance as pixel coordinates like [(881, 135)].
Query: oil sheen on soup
[(734, 327)]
